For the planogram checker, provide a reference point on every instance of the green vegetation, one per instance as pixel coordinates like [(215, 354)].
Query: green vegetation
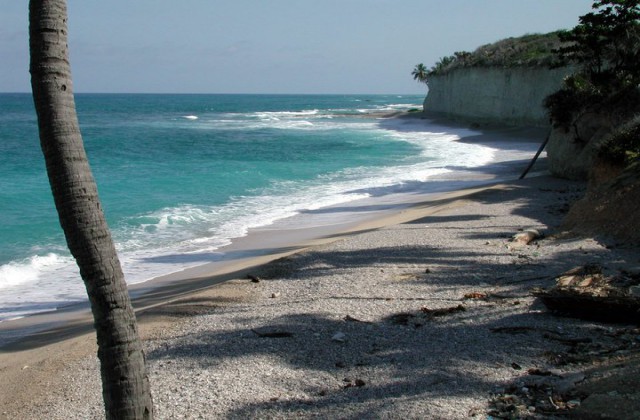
[(623, 147), (419, 73), (605, 46), (533, 50)]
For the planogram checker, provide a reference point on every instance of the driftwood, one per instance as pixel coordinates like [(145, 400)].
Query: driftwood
[(525, 238), (586, 293)]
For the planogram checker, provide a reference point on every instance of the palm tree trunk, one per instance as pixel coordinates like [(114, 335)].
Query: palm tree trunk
[(126, 390)]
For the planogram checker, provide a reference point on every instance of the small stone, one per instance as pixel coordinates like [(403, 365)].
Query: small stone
[(254, 279), (349, 383), (586, 282), (275, 295), (565, 281), (475, 295)]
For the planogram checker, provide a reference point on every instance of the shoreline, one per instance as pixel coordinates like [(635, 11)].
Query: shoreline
[(203, 353), (354, 304), (40, 370), (242, 253), (75, 319)]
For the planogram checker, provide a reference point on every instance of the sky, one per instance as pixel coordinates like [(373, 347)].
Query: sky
[(275, 46)]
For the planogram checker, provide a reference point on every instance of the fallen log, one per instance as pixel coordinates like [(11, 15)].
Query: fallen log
[(586, 293)]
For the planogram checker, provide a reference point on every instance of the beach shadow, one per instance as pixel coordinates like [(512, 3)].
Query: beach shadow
[(402, 355), (222, 255), (438, 359), (49, 330), (436, 219), (44, 333), (432, 186)]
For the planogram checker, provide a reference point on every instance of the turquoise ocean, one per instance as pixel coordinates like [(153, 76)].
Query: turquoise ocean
[(186, 174)]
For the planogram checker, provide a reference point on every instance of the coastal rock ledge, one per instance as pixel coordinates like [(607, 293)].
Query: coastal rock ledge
[(512, 95)]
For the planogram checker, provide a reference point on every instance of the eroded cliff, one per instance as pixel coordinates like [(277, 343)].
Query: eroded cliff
[(511, 95)]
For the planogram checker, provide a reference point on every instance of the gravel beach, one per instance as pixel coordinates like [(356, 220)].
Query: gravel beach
[(429, 316)]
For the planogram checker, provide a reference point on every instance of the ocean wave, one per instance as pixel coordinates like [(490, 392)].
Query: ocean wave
[(319, 123), (269, 115), (190, 228), (29, 270), (176, 237)]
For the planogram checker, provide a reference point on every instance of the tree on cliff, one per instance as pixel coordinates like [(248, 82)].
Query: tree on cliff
[(419, 73), (606, 47), (606, 43), (126, 390)]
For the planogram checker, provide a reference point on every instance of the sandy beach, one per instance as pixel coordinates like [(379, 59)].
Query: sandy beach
[(423, 311)]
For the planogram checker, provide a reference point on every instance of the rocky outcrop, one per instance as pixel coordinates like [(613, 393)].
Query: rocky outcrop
[(493, 94)]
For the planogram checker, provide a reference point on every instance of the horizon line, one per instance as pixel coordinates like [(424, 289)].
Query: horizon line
[(218, 93)]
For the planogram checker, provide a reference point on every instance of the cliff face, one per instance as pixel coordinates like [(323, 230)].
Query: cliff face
[(492, 94), (572, 152)]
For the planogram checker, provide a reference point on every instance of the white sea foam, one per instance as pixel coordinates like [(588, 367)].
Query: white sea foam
[(277, 115), (318, 123), (191, 229), (39, 283), (30, 269), (175, 238)]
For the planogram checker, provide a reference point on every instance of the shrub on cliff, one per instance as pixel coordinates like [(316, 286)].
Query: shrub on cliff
[(580, 96), (533, 50), (622, 148)]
